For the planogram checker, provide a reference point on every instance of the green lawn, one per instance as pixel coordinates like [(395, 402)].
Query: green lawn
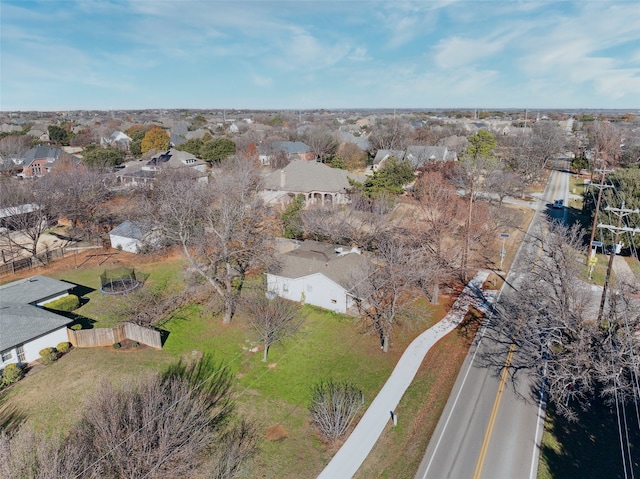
[(273, 393)]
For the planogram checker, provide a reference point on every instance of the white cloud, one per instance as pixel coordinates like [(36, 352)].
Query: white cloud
[(261, 81), (457, 52)]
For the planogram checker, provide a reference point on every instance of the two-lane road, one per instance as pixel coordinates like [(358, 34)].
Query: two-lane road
[(491, 427)]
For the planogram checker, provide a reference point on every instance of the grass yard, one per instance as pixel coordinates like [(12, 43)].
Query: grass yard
[(588, 448), (275, 393)]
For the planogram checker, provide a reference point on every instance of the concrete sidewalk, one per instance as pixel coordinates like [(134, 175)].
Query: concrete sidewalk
[(356, 448)]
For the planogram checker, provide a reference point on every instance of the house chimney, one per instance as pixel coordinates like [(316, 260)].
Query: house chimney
[(283, 178)]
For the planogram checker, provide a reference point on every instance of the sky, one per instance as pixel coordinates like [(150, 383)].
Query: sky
[(312, 54)]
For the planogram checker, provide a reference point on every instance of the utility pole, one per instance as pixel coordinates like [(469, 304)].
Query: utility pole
[(600, 187), (621, 212)]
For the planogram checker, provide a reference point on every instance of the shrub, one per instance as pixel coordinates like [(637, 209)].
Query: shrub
[(135, 345), (334, 405), (63, 347), (116, 345), (48, 356), (76, 327), (11, 374), (67, 303)]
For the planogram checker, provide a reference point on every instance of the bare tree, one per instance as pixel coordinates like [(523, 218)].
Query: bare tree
[(160, 425), (503, 183), (349, 224), (390, 135), (279, 160), (222, 227), (272, 318), (605, 140), (548, 140), (551, 319), (321, 141), (437, 223), (149, 305), (27, 213), (380, 288), (34, 454), (14, 146), (334, 406), (476, 163), (231, 453), (81, 195)]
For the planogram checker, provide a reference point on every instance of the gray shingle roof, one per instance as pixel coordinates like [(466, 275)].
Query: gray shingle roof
[(31, 290), (419, 155), (289, 147), (20, 320), (132, 229), (41, 152), (305, 176), (383, 154), (20, 323), (333, 261)]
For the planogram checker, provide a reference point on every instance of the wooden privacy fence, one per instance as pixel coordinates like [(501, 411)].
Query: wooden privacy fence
[(93, 338)]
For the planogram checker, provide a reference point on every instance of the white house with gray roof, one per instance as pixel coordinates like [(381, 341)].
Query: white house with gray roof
[(26, 327), (319, 183), (133, 236), (317, 273)]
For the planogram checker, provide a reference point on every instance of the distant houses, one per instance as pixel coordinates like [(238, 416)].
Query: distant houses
[(40, 160)]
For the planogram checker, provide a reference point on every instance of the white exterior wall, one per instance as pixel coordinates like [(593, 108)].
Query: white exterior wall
[(128, 244), (315, 289), (54, 298), (33, 347)]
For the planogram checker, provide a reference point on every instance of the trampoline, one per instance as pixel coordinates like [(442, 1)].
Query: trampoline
[(120, 281)]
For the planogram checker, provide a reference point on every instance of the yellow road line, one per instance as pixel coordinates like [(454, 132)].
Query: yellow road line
[(494, 414)]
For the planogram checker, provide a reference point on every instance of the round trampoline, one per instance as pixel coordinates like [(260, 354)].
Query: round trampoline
[(120, 281)]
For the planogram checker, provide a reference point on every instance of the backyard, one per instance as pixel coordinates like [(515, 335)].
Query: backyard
[(275, 394)]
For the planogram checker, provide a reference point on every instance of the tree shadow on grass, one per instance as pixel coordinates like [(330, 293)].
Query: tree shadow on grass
[(80, 290), (10, 416), (590, 447)]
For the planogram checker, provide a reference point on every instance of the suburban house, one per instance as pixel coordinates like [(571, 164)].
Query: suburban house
[(317, 273), (25, 326), (295, 150), (39, 160), (319, 183), (117, 139), (171, 159), (360, 141), (421, 155), (383, 155), (132, 236)]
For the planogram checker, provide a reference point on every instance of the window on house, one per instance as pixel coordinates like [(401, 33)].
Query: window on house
[(285, 287), (21, 355), (7, 355)]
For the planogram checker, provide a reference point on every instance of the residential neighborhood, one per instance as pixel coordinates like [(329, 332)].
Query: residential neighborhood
[(319, 240), (366, 225)]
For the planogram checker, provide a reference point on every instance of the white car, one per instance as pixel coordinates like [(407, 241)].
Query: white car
[(558, 204)]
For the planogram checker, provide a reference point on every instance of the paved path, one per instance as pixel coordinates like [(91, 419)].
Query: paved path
[(355, 450)]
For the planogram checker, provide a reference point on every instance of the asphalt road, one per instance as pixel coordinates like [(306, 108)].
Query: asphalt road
[(491, 427)]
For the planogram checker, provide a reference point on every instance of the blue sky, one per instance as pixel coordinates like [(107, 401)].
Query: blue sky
[(295, 54)]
